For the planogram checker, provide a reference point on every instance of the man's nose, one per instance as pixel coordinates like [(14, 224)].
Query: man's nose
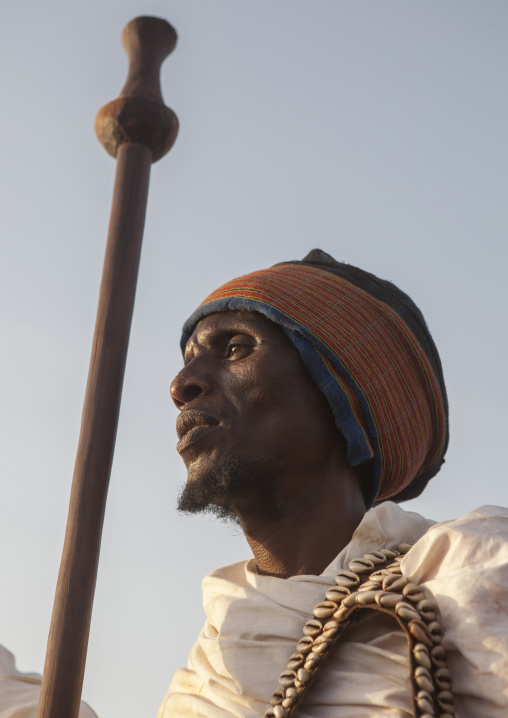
[(189, 384)]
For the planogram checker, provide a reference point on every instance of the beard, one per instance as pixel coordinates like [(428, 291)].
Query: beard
[(214, 491)]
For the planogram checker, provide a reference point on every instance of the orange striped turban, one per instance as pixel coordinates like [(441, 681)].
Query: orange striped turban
[(367, 347)]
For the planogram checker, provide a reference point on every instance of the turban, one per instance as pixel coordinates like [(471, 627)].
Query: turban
[(368, 349)]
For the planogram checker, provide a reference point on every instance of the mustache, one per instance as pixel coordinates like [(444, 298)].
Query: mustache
[(191, 418)]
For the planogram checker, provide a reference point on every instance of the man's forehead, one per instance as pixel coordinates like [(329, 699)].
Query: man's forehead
[(233, 320), (221, 323)]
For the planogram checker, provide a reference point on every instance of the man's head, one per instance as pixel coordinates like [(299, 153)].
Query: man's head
[(252, 419), (367, 348)]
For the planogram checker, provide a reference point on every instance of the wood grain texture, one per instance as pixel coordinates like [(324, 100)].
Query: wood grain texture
[(70, 624)]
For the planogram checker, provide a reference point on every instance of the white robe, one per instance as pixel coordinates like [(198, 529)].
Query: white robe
[(19, 692), (253, 623)]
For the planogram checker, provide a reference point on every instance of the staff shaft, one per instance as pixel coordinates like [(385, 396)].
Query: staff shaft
[(70, 623)]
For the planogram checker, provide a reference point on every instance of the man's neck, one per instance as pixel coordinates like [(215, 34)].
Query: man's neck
[(312, 527)]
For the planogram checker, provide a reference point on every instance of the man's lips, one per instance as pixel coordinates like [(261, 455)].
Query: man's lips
[(191, 423)]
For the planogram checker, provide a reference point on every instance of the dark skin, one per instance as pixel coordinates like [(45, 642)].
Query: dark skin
[(244, 392)]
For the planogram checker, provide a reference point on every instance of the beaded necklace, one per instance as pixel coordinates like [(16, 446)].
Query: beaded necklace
[(375, 583)]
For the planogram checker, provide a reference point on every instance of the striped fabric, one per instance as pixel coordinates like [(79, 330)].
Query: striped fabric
[(385, 397)]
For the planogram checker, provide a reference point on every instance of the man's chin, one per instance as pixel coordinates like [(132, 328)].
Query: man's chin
[(198, 497), (215, 491)]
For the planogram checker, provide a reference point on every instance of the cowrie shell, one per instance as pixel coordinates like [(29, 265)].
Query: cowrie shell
[(330, 629), (347, 579), (435, 631), (421, 655), (404, 547), (304, 645), (287, 678), (321, 644), (295, 661), (424, 702), (363, 598), (380, 574), (350, 600), (361, 565), (389, 600), (445, 701), (423, 679), (325, 609), (438, 655), (303, 675), (413, 593), (406, 611), (341, 612), (371, 585), (443, 678), (311, 663), (390, 555), (277, 697), (394, 583), (427, 610), (313, 627), (418, 630), (337, 593), (395, 568)]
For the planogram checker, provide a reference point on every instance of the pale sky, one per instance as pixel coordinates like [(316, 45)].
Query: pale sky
[(376, 131)]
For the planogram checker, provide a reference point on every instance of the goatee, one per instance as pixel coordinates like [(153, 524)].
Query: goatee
[(214, 491)]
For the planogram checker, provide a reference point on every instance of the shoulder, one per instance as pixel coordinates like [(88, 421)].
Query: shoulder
[(463, 564), (477, 541)]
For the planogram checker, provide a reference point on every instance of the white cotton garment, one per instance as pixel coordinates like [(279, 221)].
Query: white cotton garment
[(19, 692), (253, 623)]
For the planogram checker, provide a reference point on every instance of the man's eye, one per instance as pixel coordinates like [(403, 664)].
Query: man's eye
[(233, 350), (238, 348)]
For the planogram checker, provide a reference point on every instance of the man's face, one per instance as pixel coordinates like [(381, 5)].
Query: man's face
[(249, 409)]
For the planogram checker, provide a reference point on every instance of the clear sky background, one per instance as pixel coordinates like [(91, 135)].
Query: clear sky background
[(376, 131)]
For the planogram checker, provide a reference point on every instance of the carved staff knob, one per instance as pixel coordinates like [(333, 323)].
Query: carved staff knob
[(139, 114)]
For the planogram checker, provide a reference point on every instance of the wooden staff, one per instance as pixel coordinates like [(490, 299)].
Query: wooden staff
[(137, 129)]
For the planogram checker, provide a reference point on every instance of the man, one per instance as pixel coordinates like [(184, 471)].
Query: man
[(310, 392)]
